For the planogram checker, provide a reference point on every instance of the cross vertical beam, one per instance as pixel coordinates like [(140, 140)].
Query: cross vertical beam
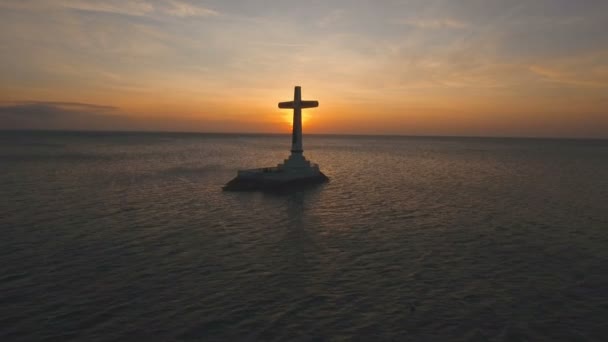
[(296, 130), (297, 104)]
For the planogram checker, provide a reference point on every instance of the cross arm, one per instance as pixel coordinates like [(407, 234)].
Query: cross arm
[(289, 104), (301, 104), (309, 104)]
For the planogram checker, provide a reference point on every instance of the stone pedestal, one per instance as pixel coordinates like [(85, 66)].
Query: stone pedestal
[(295, 162)]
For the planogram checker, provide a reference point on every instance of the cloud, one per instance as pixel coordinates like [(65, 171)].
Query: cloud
[(586, 70), (183, 9), (434, 24), (47, 115), (50, 108), (126, 7), (331, 18), (54, 115), (136, 8)]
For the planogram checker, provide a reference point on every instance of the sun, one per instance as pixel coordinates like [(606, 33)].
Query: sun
[(287, 118)]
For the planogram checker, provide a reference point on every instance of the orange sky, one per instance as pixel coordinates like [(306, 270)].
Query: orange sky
[(381, 67)]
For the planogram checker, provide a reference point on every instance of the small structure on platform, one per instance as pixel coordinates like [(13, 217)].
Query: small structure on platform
[(295, 171)]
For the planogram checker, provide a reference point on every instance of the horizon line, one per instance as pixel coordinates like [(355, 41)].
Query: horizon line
[(313, 134)]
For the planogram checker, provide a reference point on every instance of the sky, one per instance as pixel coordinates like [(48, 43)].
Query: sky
[(412, 67)]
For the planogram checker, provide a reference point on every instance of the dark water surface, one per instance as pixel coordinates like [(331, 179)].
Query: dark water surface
[(124, 236)]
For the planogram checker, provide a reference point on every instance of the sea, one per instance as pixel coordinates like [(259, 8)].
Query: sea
[(119, 236)]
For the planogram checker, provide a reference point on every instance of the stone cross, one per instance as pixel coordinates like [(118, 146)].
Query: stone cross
[(297, 104)]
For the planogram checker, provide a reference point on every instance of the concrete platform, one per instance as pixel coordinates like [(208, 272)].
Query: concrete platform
[(272, 179), (295, 171)]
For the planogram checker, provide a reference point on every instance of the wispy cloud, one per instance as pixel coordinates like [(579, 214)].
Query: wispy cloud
[(42, 114), (331, 18), (133, 7), (588, 70), (68, 106), (183, 9), (136, 8), (127, 7), (433, 24)]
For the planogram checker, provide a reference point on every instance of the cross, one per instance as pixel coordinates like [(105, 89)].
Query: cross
[(297, 104)]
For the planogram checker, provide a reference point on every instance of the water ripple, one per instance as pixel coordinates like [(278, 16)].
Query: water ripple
[(129, 237)]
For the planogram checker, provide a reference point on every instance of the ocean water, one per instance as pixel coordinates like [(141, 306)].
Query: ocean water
[(128, 236)]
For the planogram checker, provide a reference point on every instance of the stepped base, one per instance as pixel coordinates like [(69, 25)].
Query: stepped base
[(294, 172), (265, 183)]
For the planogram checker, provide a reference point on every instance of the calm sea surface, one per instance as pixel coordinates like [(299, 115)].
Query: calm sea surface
[(128, 236)]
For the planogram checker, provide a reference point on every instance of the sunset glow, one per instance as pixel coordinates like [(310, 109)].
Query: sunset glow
[(410, 67), (287, 117)]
